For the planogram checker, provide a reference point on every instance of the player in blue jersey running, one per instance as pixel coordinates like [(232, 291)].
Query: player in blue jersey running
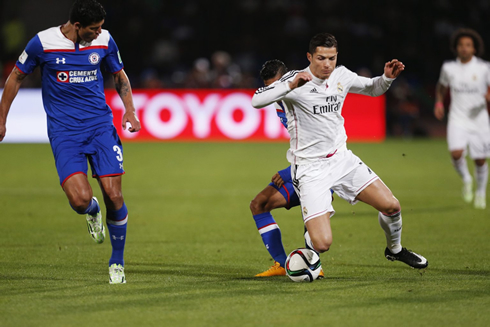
[(79, 121), (279, 193)]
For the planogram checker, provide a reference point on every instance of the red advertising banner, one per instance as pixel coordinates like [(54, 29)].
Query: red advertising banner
[(227, 115)]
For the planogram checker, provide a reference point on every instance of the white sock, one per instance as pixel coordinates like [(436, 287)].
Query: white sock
[(308, 242), (462, 168), (392, 225), (481, 179)]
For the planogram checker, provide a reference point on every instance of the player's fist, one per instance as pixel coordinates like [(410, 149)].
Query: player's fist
[(132, 119), (393, 68)]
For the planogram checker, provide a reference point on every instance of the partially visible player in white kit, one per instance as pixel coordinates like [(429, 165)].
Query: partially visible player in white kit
[(468, 80), (320, 161)]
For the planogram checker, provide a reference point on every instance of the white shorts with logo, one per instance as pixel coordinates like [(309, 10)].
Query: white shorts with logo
[(478, 142), (344, 173)]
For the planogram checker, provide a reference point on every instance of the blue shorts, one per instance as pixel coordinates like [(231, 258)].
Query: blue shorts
[(101, 147), (287, 190)]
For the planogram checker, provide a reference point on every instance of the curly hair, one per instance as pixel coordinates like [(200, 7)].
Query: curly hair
[(468, 32)]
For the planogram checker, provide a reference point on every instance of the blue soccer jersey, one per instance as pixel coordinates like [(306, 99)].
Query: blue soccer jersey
[(72, 82)]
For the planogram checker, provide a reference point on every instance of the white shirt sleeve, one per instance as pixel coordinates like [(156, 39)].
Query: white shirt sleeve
[(270, 94), (371, 86), (444, 78)]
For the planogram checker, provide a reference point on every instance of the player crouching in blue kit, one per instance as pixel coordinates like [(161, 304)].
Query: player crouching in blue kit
[(80, 124)]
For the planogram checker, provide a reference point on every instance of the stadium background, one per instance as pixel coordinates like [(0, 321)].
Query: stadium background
[(222, 44)]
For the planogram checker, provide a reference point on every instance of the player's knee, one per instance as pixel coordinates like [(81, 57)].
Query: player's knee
[(322, 245), (257, 206), (392, 206), (114, 196), (480, 162), (81, 201)]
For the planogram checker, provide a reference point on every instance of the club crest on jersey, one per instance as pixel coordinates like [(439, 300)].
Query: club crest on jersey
[(94, 58), (340, 88), (62, 77), (305, 211)]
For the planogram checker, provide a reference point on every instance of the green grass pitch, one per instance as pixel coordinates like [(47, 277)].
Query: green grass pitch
[(192, 246)]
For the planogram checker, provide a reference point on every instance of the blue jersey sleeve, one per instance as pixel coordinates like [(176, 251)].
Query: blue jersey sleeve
[(113, 62), (29, 59)]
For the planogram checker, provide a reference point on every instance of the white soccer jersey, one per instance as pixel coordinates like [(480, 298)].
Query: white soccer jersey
[(313, 111), (468, 84)]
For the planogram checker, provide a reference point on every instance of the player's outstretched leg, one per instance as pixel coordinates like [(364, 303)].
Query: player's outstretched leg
[(309, 245), (481, 174), (392, 225), (117, 221), (95, 225)]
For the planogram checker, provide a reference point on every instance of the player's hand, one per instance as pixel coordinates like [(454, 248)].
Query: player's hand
[(3, 130), (439, 110), (277, 180), (130, 117), (300, 79), (393, 68)]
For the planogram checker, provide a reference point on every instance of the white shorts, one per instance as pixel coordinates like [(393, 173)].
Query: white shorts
[(344, 173), (478, 142)]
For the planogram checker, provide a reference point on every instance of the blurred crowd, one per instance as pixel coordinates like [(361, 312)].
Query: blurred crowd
[(222, 44)]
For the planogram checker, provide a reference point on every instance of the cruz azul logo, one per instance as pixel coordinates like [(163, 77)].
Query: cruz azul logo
[(76, 76), (94, 58), (62, 77)]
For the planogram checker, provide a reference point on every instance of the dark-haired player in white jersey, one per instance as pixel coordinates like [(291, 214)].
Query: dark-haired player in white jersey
[(279, 193), (468, 80), (80, 126), (313, 100)]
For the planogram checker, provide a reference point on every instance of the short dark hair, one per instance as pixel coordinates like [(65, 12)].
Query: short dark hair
[(326, 40), (271, 68), (86, 12), (468, 32)]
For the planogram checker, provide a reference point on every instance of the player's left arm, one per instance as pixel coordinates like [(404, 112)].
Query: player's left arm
[(123, 87), (378, 85)]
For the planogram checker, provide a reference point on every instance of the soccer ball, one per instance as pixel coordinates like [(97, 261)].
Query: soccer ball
[(303, 265)]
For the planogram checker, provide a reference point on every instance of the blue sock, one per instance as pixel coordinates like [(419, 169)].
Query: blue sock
[(92, 208), (271, 236), (117, 222)]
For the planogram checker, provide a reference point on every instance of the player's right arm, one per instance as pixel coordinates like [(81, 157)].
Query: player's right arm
[(441, 92), (10, 91), (442, 87), (278, 90)]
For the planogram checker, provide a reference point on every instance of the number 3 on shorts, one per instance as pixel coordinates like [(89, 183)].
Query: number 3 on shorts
[(117, 149)]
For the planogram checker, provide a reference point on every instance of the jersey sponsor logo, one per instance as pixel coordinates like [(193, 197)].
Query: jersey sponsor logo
[(62, 60), (76, 76), (313, 90), (119, 57), (23, 57), (94, 58), (62, 77), (332, 105)]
